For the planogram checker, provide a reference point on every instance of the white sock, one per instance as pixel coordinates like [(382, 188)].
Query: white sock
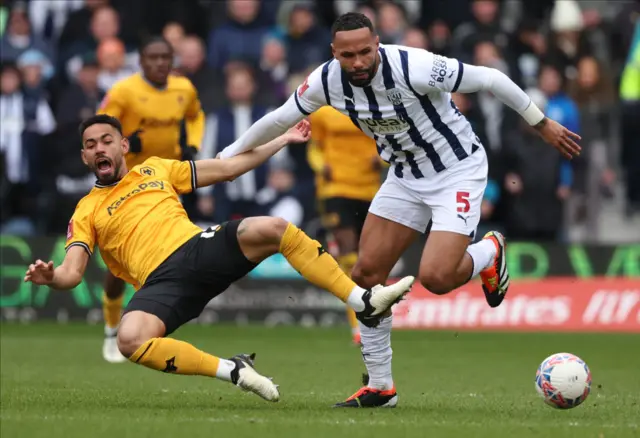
[(482, 254), (376, 352), (355, 299), (224, 369), (110, 332)]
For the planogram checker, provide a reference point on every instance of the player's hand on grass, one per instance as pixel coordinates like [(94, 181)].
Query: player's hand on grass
[(559, 137), (299, 133), (40, 273)]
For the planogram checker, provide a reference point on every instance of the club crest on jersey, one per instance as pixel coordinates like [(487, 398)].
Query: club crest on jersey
[(395, 96), (146, 170)]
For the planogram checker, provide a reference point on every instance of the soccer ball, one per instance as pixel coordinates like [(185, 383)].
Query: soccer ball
[(563, 380)]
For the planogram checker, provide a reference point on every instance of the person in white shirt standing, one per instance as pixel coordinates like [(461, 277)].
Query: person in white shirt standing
[(401, 97)]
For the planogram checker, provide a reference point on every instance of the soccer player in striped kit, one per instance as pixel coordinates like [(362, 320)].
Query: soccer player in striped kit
[(401, 97)]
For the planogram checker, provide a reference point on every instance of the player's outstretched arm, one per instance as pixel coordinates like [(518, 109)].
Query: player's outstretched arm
[(307, 98), (212, 171), (272, 125), (66, 276), (451, 75), (500, 85)]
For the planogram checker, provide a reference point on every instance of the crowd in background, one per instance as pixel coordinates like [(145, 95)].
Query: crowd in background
[(59, 57)]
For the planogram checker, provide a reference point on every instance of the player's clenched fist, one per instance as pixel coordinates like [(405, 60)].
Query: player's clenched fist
[(40, 273)]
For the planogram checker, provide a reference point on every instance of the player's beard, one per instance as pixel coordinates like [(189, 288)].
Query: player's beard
[(111, 177), (362, 82)]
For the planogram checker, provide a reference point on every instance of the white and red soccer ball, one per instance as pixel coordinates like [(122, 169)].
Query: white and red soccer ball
[(563, 380)]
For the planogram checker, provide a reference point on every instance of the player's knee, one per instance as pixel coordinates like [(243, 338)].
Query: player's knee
[(263, 230), (365, 274), (436, 281), (135, 329), (129, 340)]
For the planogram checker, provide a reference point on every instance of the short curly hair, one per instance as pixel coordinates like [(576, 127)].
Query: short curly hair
[(351, 21)]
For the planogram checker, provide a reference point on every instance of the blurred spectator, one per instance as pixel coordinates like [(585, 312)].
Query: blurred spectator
[(48, 18), (391, 23), (529, 47), (369, 12), (243, 29), (415, 37), (111, 58), (235, 199), (76, 29), (567, 42), (26, 119), (19, 37), (277, 197), (307, 42), (439, 35), (80, 99), (498, 119), (539, 182), (560, 107), (174, 33), (630, 97), (105, 25), (593, 93), (209, 83), (37, 71), (484, 27), (275, 65)]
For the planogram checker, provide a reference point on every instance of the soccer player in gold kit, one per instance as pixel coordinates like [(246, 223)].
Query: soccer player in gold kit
[(145, 237), (347, 167), (151, 107)]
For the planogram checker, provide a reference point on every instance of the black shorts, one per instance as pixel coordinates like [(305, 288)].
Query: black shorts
[(344, 213), (202, 268)]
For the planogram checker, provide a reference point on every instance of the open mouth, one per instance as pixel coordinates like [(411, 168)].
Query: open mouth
[(103, 166)]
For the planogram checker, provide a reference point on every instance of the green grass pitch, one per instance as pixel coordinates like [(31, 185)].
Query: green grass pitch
[(54, 383)]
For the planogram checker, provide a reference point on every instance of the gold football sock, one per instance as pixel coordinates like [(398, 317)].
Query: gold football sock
[(347, 262), (112, 310), (310, 259), (173, 356)]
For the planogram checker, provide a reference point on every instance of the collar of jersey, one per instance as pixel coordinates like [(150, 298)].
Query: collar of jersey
[(151, 84), (104, 186)]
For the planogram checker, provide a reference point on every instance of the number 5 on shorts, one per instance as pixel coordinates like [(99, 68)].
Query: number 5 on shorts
[(462, 199)]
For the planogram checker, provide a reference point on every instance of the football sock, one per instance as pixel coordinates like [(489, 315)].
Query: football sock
[(482, 254), (111, 311), (347, 262), (173, 356), (376, 353), (310, 259)]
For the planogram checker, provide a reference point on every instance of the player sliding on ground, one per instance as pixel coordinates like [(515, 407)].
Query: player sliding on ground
[(400, 97), (145, 237)]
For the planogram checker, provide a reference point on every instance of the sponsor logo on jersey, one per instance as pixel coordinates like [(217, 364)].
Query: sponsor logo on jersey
[(386, 126), (140, 188), (152, 122), (438, 71)]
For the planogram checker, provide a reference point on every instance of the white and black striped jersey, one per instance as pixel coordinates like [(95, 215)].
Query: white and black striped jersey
[(407, 108)]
